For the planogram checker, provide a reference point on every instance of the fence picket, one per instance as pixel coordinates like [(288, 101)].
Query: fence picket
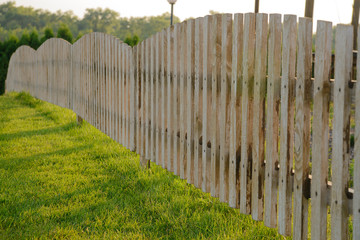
[(287, 123), (157, 113), (143, 107), (170, 100), (182, 101), (176, 99), (206, 126), (190, 56), (164, 100), (247, 113), (272, 120), (341, 132), (198, 102), (235, 115), (257, 194), (320, 131), (147, 99), (215, 100), (356, 212), (224, 111), (302, 127)]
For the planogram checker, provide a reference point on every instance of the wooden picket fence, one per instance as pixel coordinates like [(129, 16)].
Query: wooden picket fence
[(226, 102)]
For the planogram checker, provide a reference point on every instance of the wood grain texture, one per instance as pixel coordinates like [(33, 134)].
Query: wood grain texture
[(215, 39), (320, 130), (164, 99), (176, 99), (198, 85), (189, 107), (170, 102), (272, 120), (157, 96), (224, 111), (182, 100), (206, 126), (247, 113), (235, 112), (258, 151), (356, 212), (341, 132), (302, 128), (152, 105), (287, 123)]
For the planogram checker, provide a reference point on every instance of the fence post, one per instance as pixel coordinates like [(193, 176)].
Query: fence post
[(309, 8), (355, 21)]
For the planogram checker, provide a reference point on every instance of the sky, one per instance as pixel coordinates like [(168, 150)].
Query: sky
[(336, 11)]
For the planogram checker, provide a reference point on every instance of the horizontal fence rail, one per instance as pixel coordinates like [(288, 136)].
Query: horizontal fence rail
[(230, 103)]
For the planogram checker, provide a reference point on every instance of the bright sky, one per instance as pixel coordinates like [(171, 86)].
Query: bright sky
[(336, 11)]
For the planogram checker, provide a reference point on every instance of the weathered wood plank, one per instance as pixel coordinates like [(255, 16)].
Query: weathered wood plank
[(133, 99), (287, 123), (247, 113), (122, 87), (320, 130), (157, 105), (198, 101), (143, 125), (206, 126), (147, 99), (302, 127), (341, 132), (257, 193), (189, 107), (137, 76), (356, 208), (235, 115), (272, 120), (127, 97), (182, 100), (224, 111), (176, 99), (164, 99), (171, 98), (215, 102)]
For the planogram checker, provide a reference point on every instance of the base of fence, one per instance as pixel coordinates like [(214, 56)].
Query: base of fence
[(79, 119), (144, 162)]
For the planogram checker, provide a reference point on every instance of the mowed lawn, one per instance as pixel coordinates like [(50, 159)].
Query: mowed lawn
[(59, 180)]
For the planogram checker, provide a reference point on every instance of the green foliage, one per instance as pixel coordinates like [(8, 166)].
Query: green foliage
[(59, 180), (34, 39), (6, 50), (65, 33), (100, 20), (132, 41), (25, 39), (48, 33)]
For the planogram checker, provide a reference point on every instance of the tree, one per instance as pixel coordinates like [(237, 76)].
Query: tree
[(65, 33), (100, 20), (25, 39), (34, 39), (8, 47), (48, 33)]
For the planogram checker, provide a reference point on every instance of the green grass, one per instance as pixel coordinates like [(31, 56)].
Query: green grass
[(59, 180)]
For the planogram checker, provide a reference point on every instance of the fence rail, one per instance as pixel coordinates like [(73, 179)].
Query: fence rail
[(227, 102)]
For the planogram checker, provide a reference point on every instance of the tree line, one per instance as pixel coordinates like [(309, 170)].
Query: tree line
[(28, 26)]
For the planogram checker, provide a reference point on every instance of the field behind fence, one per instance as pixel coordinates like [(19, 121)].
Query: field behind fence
[(227, 102)]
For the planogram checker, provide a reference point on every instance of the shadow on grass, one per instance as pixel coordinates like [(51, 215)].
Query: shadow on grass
[(62, 152), (44, 131)]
